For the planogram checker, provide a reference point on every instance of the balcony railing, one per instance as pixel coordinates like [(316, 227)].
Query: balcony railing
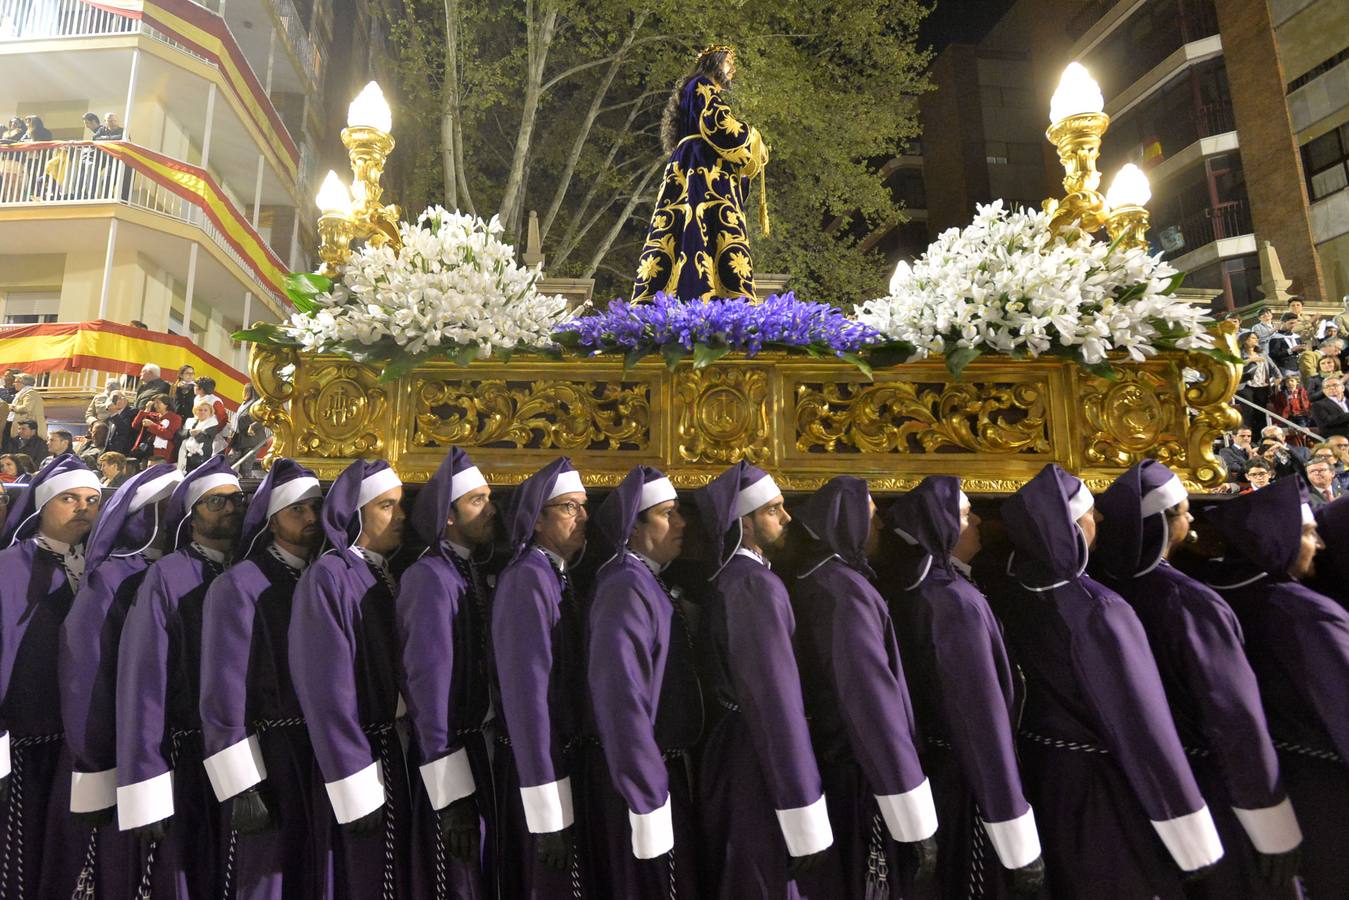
[(51, 175), (1204, 226), (26, 19)]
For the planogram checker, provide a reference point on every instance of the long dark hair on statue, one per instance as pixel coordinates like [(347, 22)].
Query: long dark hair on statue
[(708, 66)]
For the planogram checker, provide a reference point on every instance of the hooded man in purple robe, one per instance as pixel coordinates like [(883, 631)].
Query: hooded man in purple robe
[(765, 817), (442, 626), (126, 540), (162, 789), (1104, 765), (344, 666), (258, 756), (42, 564), (1297, 641), (1197, 643), (861, 717), (538, 644), (968, 698), (645, 693)]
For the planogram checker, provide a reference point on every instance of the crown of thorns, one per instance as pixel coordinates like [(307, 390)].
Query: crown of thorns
[(716, 48)]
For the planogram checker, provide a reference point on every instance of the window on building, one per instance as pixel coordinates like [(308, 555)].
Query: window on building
[(30, 307), (1326, 162), (1239, 275)]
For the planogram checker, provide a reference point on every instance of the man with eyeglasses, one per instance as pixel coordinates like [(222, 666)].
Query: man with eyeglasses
[(258, 757), (538, 640), (1339, 447), (163, 794), (42, 566)]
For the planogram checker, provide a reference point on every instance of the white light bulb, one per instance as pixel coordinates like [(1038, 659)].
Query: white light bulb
[(1077, 93), (1130, 188), (903, 272), (333, 197), (370, 110)]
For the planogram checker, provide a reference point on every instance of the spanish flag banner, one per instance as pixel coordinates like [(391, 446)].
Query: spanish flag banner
[(205, 34), (108, 347)]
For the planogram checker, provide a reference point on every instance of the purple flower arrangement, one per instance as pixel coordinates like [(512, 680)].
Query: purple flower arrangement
[(708, 330)]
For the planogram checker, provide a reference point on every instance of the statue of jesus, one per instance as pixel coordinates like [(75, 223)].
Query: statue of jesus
[(698, 244)]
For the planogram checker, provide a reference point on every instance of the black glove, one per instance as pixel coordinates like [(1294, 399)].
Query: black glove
[(1027, 880), (152, 833), (90, 821), (555, 849), (1198, 874), (458, 824), (251, 813), (1278, 868), (922, 857), (366, 824), (800, 865)]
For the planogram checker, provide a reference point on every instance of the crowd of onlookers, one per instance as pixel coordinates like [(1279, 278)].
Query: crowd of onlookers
[(64, 174), (129, 424)]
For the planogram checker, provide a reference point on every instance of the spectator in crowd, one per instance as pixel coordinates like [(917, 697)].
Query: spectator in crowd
[(1238, 453), (100, 405), (1325, 367), (14, 131), (9, 468), (10, 386), (27, 404), (185, 391), (112, 466), (58, 442), (1331, 413), (11, 164), (92, 445), (159, 426), (37, 131), (89, 159), (111, 130), (1341, 319), (1264, 329), (1339, 446), (1259, 474), (1278, 435), (121, 430), (151, 385), (1325, 453), (1284, 345), (249, 433), (205, 390), (1258, 376), (1290, 401), (26, 440), (1321, 477), (1330, 334), (200, 431)]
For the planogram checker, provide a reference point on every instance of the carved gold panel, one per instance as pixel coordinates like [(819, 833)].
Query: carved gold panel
[(722, 415), (343, 410)]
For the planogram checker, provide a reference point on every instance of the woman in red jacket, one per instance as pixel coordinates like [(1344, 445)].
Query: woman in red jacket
[(158, 424)]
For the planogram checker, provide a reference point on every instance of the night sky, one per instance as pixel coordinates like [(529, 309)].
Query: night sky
[(962, 21)]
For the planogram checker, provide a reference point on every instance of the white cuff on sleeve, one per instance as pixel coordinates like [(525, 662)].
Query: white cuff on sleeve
[(448, 779), (547, 806), (653, 832), (1273, 829), (1191, 839), (145, 801), (359, 794), (92, 791), (4, 754), (910, 816), (236, 768), (1016, 841), (806, 828)]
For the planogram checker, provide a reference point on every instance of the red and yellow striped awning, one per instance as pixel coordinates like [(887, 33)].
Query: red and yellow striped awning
[(109, 347)]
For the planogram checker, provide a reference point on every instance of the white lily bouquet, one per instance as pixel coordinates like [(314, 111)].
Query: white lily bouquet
[(453, 289), (1007, 284)]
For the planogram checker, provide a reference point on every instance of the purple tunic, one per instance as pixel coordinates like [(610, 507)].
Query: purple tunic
[(344, 664), (159, 750), (762, 795), (43, 849), (537, 640), (442, 623), (1101, 753), (254, 733)]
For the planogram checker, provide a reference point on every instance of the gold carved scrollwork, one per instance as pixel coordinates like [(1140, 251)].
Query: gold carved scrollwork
[(272, 371), (562, 415), (1210, 398), (721, 415), (1131, 418), (344, 408), (899, 417)]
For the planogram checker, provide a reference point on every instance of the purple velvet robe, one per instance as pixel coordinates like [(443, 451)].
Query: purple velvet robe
[(159, 749), (43, 850), (648, 712), (442, 623), (249, 712), (538, 647), (758, 762), (88, 676), (344, 665)]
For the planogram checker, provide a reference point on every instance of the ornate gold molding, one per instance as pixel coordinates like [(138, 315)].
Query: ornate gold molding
[(722, 413)]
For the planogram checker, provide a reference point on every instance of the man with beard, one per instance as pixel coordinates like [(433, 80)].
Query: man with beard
[(162, 791), (645, 693), (442, 625), (42, 565), (125, 541), (854, 688), (1297, 641), (538, 634), (765, 817), (344, 664), (258, 756)]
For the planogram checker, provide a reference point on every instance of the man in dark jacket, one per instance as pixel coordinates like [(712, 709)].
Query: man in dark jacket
[(121, 428), (1331, 412), (151, 385)]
